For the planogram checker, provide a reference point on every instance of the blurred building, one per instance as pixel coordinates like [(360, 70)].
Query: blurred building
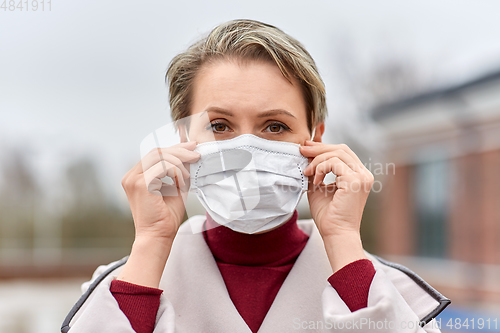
[(440, 212)]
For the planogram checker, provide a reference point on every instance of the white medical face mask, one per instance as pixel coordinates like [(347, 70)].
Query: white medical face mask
[(247, 183)]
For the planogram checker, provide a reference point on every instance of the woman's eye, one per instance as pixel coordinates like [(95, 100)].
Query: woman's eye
[(219, 127), (276, 128)]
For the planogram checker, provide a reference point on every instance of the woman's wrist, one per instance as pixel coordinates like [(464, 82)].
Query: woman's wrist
[(342, 249), (147, 261)]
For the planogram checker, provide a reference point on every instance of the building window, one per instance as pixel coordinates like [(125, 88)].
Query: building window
[(431, 186)]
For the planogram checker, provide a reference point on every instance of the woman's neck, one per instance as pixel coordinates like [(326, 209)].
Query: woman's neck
[(262, 249)]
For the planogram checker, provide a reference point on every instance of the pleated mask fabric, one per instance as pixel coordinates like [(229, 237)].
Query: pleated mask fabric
[(248, 183)]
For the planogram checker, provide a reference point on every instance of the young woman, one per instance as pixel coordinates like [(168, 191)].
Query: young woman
[(249, 265)]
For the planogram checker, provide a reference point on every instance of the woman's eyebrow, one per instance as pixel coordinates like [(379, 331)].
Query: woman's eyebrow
[(275, 112), (264, 114), (219, 110)]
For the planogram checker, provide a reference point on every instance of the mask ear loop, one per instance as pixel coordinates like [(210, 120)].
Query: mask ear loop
[(187, 134), (313, 132)]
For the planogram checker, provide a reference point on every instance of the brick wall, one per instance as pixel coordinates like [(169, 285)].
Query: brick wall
[(490, 206), (473, 225), (396, 223)]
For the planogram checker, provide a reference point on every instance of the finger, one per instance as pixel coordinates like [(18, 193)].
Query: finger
[(163, 169), (172, 160), (173, 155), (180, 147), (154, 187), (185, 155), (341, 154), (191, 145), (312, 149), (178, 174), (335, 165)]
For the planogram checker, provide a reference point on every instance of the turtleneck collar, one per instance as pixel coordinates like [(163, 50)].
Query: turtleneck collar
[(270, 248)]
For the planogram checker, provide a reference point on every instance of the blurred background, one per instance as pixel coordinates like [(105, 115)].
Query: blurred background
[(413, 88)]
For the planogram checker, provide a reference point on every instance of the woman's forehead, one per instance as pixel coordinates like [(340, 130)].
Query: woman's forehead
[(251, 86)]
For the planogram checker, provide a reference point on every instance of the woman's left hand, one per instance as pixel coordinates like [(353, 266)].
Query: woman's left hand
[(337, 208)]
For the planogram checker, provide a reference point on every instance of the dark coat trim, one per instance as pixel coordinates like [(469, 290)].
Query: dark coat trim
[(443, 301), (65, 325)]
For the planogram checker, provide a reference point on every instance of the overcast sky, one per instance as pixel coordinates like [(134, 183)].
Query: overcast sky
[(87, 77)]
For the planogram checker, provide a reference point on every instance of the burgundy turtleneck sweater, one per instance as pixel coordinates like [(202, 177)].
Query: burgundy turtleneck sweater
[(253, 268)]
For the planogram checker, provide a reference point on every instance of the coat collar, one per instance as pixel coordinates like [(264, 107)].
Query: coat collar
[(193, 284), (192, 280)]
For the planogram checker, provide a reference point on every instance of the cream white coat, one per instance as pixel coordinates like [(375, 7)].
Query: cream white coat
[(195, 298)]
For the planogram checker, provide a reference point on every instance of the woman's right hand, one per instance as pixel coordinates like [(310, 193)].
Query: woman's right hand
[(158, 208)]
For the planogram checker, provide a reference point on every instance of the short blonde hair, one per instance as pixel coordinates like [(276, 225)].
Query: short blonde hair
[(247, 40)]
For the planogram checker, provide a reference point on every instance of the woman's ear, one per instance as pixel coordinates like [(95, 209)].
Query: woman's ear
[(318, 133)]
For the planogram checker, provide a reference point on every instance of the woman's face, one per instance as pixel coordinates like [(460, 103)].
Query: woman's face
[(250, 97)]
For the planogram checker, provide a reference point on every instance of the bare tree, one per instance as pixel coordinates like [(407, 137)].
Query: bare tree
[(17, 200), (83, 185), (90, 220), (368, 81), (386, 77)]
